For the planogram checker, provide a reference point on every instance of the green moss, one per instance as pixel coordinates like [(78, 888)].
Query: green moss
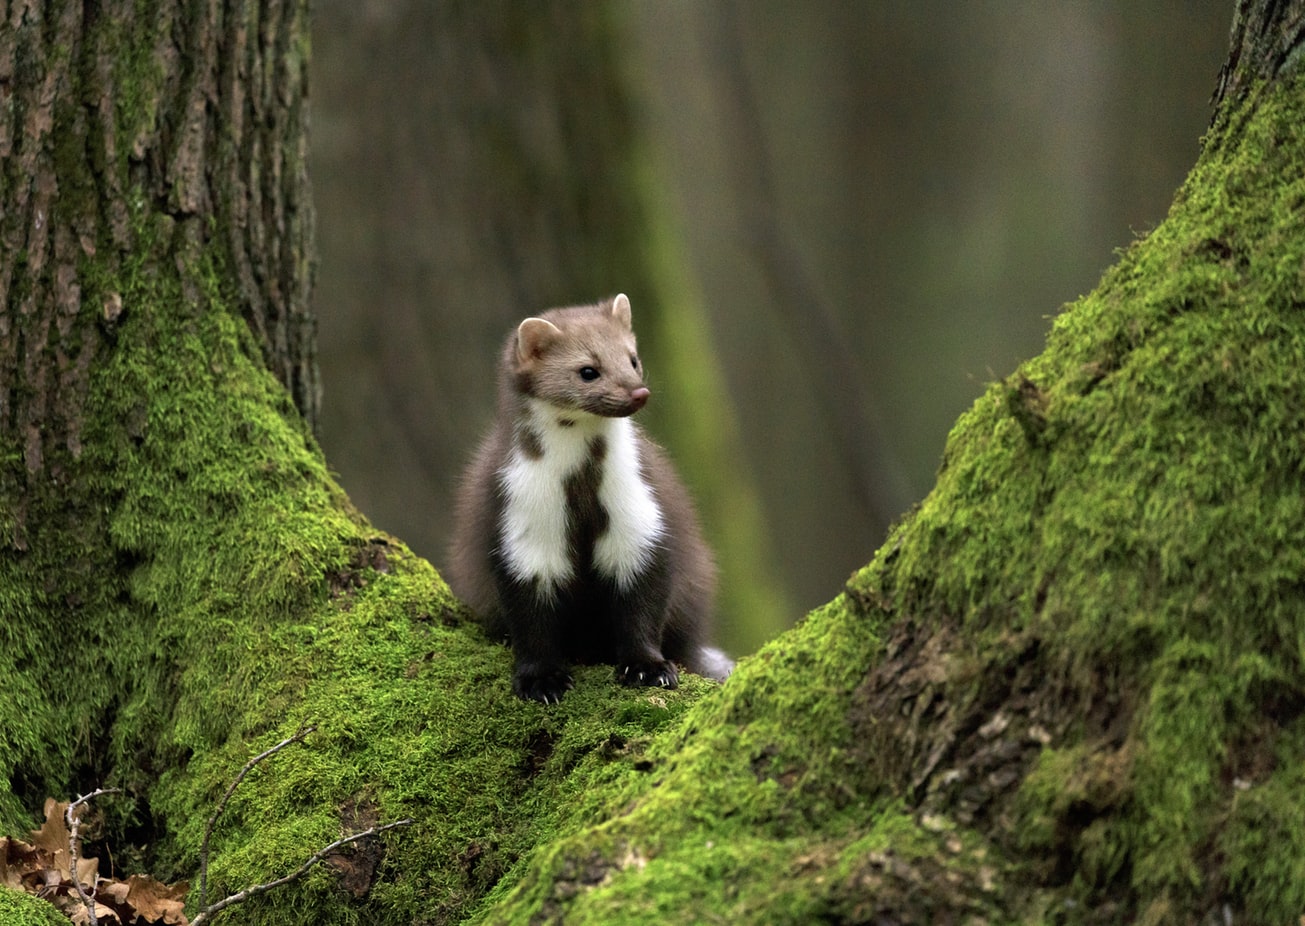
[(217, 591), (1148, 533), (730, 795), (19, 909), (740, 818), (1126, 510), (1263, 837), (1127, 507)]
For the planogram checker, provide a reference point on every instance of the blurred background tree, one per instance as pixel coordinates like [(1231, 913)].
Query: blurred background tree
[(836, 221)]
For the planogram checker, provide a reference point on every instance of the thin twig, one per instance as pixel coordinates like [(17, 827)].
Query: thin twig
[(222, 804), (209, 912), (74, 823)]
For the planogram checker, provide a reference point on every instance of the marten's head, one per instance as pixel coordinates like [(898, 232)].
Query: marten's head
[(581, 358)]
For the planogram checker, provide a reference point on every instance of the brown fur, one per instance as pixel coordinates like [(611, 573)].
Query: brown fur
[(666, 614)]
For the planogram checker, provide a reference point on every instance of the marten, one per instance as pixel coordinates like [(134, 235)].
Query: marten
[(573, 536)]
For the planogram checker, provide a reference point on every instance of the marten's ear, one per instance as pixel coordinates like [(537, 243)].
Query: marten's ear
[(621, 310), (533, 337)]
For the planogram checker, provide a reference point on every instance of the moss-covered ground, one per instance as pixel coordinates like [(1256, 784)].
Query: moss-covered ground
[(1068, 689), (194, 588), (20, 909), (1085, 688)]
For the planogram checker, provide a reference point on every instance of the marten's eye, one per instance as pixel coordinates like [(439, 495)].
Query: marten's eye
[(588, 374), (634, 361)]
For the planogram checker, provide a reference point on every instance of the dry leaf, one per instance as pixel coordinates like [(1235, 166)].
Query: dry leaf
[(158, 902), (42, 868), (114, 891), (17, 859), (88, 871), (106, 916), (53, 835)]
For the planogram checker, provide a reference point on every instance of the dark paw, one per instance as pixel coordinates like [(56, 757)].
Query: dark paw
[(658, 674), (547, 685)]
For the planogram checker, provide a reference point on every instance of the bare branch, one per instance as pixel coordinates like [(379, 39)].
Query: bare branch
[(207, 913), (74, 823), (298, 737)]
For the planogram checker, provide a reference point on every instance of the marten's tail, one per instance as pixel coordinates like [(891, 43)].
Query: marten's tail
[(709, 662)]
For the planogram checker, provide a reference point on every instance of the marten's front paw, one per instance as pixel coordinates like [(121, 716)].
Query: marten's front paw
[(655, 673), (547, 685)]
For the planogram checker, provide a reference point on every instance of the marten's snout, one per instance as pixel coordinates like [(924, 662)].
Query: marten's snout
[(639, 397)]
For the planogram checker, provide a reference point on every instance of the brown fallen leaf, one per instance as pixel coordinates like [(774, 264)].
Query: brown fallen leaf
[(41, 868), (53, 838), (104, 916), (19, 860), (114, 892), (157, 902)]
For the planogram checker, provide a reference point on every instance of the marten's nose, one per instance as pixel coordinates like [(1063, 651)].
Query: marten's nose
[(639, 397)]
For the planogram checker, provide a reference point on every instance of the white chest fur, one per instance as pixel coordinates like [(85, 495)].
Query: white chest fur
[(534, 532)]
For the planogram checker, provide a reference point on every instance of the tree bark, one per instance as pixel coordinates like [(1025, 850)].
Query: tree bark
[(1265, 45), (1069, 688), (146, 134), (153, 174)]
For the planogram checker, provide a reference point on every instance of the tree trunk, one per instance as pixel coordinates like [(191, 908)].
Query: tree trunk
[(1069, 688), (509, 177), (146, 136), (153, 187), (1266, 37), (153, 168)]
